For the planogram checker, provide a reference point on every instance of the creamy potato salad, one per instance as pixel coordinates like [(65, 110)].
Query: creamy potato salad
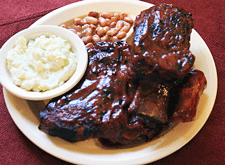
[(41, 64)]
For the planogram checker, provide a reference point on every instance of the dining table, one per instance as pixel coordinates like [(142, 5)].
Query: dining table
[(207, 147)]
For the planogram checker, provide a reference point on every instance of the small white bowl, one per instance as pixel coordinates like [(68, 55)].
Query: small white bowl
[(31, 33)]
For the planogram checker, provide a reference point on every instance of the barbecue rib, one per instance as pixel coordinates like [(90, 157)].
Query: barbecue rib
[(127, 93), (188, 94), (161, 42), (98, 106), (99, 98)]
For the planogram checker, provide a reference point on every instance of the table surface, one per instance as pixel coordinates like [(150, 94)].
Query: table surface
[(207, 147)]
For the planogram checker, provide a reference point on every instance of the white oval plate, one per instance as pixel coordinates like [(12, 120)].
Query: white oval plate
[(26, 113)]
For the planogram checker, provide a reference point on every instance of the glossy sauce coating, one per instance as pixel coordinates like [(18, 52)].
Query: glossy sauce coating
[(128, 92), (98, 106), (188, 92), (161, 41), (99, 98), (96, 27)]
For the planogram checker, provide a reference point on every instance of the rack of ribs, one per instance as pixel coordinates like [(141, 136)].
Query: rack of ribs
[(98, 106), (97, 102), (130, 93)]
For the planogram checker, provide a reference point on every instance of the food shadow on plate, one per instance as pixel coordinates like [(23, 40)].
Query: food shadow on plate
[(36, 106)]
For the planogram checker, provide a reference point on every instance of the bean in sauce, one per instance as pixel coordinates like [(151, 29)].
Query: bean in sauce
[(96, 27)]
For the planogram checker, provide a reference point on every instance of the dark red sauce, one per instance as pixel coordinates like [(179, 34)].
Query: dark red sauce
[(130, 93)]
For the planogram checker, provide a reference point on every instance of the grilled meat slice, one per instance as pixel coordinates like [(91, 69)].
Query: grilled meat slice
[(151, 99), (161, 42), (147, 115), (186, 96), (99, 99)]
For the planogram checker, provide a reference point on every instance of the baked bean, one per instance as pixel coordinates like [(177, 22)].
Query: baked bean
[(100, 31), (126, 28), (121, 34), (102, 21), (108, 21), (114, 19), (93, 14), (129, 20), (107, 15), (112, 32), (92, 26), (89, 44), (85, 26), (78, 28), (84, 21), (119, 25), (88, 32), (117, 15), (105, 38), (113, 24), (87, 39), (91, 20), (96, 38), (123, 15), (114, 38), (106, 28), (77, 21), (126, 23)]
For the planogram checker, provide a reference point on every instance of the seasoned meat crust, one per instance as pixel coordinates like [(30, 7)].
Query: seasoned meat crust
[(130, 93), (99, 98), (188, 92), (98, 106), (161, 42)]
